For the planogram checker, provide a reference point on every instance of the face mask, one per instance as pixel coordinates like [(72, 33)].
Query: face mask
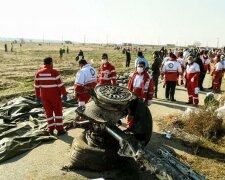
[(140, 69), (104, 61), (189, 61)]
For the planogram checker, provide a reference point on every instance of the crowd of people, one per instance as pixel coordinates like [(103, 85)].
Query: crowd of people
[(181, 67)]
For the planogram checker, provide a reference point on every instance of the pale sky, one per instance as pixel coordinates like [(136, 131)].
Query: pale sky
[(136, 21)]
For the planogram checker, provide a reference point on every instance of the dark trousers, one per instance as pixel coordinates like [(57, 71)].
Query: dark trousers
[(201, 80), (170, 89), (156, 81), (127, 63)]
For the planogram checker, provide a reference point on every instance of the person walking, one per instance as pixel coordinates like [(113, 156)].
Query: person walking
[(6, 49), (128, 57), (156, 71), (106, 72), (50, 91), (170, 69)]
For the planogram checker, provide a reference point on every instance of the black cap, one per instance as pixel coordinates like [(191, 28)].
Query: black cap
[(48, 61), (140, 54), (82, 61), (105, 55)]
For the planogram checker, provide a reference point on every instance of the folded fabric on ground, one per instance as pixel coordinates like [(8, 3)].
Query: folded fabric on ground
[(23, 125)]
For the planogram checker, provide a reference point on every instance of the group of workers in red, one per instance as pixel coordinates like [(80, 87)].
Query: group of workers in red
[(50, 90)]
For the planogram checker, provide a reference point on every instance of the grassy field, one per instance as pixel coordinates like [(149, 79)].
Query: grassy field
[(18, 68)]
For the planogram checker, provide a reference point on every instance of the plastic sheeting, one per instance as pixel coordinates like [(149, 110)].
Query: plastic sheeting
[(23, 125)]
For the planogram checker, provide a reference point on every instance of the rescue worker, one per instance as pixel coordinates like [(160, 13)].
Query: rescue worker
[(170, 69), (191, 76), (128, 57), (156, 70), (217, 74), (222, 60), (141, 58), (48, 90), (142, 84), (106, 72), (182, 62), (86, 78), (206, 64)]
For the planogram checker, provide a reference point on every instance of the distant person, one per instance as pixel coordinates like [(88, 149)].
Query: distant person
[(6, 49), (141, 58), (67, 49), (60, 53), (182, 62), (217, 74), (207, 68), (85, 78), (80, 55), (192, 77), (156, 70), (128, 57), (11, 46), (142, 84), (170, 70), (106, 72), (48, 90)]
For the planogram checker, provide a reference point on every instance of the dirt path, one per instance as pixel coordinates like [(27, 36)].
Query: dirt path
[(46, 161)]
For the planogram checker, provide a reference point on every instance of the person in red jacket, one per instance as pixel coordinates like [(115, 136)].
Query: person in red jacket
[(170, 70), (48, 89), (217, 74), (85, 79), (106, 72), (142, 84), (192, 76)]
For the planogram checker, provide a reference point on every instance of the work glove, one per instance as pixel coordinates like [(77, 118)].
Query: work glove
[(64, 98), (149, 102), (192, 79), (38, 100)]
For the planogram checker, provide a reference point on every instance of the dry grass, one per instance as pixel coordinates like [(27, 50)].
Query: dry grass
[(18, 68), (203, 123), (203, 137)]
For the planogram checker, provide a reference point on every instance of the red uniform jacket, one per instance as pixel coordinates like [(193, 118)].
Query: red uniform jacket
[(218, 70), (85, 78), (192, 71), (48, 83), (171, 69), (106, 74), (145, 88)]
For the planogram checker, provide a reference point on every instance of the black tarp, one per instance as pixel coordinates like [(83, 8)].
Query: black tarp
[(23, 124)]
